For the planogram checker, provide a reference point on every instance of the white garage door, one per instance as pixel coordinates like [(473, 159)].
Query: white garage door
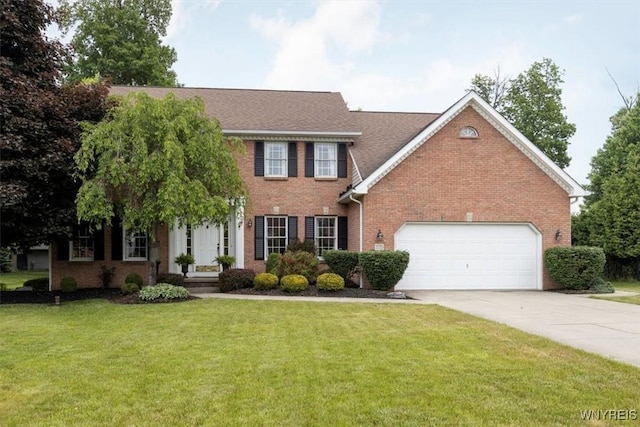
[(470, 256)]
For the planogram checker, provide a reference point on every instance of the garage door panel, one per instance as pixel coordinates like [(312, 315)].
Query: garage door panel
[(469, 256)]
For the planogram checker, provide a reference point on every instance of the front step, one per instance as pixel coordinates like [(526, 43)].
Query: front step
[(204, 290), (201, 285)]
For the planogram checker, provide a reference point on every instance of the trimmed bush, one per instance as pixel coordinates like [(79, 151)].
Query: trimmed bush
[(134, 278), (264, 281), (344, 263), (39, 284), (171, 278), (294, 283), (574, 267), (299, 262), (600, 286), (330, 282), (163, 292), (129, 288), (384, 269), (68, 284), (272, 262), (236, 278)]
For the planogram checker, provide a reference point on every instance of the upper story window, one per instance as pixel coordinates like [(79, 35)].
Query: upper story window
[(81, 248), (326, 159), (135, 246), (468, 132), (275, 159)]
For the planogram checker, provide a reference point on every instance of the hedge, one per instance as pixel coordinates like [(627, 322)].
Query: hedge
[(574, 267), (384, 269), (236, 278), (342, 263)]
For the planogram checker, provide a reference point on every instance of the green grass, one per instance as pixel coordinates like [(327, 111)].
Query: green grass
[(627, 286), (283, 363), (15, 280)]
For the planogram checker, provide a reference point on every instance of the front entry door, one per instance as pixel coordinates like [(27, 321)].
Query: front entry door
[(206, 243)]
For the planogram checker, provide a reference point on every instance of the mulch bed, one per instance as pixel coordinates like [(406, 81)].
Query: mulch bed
[(115, 296)]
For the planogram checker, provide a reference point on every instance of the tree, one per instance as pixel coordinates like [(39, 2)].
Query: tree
[(154, 161), (40, 129), (612, 210), (120, 40), (532, 103)]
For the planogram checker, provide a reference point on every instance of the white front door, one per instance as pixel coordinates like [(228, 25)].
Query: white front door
[(206, 247)]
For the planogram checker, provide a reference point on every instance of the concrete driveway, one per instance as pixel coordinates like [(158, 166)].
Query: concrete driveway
[(608, 328)]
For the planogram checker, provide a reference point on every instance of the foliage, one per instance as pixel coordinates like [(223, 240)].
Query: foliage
[(574, 267), (106, 275), (134, 278), (600, 286), (236, 278), (40, 127), (225, 260), (120, 40), (5, 260), (129, 288), (68, 284), (155, 161), (272, 262), (330, 282), (384, 269), (308, 245), (163, 292), (38, 284), (298, 262), (343, 263), (294, 283), (171, 278), (532, 102), (184, 259), (265, 281)]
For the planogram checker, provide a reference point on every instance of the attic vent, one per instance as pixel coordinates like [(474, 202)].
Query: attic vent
[(468, 132)]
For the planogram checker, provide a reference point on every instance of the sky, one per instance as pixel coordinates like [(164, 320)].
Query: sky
[(401, 55)]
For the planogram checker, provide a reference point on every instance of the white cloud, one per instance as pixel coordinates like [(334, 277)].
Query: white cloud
[(182, 11), (573, 19)]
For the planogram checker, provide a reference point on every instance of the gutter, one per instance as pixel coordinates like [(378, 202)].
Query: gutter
[(361, 226)]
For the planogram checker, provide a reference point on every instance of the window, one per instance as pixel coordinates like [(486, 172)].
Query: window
[(326, 235), (276, 231), (81, 248), (325, 160), (275, 159), (468, 132), (135, 246)]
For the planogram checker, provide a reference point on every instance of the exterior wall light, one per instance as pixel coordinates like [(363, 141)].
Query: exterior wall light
[(558, 235), (379, 236), (250, 223)]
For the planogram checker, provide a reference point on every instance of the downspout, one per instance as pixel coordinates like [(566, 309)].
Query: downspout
[(361, 222)]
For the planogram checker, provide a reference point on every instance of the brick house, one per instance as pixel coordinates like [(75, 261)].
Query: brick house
[(473, 201)]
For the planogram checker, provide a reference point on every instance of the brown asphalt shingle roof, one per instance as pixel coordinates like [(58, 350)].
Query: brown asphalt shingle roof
[(270, 110), (384, 134)]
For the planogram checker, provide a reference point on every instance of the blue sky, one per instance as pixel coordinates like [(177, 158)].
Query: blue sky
[(414, 55)]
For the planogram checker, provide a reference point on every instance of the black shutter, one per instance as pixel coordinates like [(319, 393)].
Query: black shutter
[(62, 245), (116, 239), (259, 158), (342, 160), (292, 161), (292, 229), (98, 244), (258, 224), (309, 228), (308, 160), (342, 233)]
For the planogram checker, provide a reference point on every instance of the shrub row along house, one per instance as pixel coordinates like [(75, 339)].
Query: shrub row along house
[(472, 200)]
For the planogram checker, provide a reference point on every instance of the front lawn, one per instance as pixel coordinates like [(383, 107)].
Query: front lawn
[(627, 286), (16, 279), (274, 363)]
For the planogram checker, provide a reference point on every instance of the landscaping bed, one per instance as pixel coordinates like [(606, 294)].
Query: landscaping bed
[(48, 297), (313, 291)]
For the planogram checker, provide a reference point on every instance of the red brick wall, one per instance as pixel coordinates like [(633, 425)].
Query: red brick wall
[(296, 196), (86, 272), (448, 176)]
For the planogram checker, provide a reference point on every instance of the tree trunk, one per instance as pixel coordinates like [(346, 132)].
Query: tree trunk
[(154, 261)]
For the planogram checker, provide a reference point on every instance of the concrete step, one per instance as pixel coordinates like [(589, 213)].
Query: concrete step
[(203, 290)]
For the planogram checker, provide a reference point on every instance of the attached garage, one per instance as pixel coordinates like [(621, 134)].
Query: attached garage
[(470, 256)]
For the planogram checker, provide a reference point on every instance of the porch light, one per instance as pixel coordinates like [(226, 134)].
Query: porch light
[(558, 235), (379, 236), (250, 223)]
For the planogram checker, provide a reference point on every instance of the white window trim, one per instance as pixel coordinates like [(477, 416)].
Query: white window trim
[(266, 233), (77, 235), (468, 132), (316, 159), (124, 248), (285, 167), (335, 232)]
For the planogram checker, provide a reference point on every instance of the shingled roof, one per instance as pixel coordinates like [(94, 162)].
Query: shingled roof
[(383, 134), (265, 110)]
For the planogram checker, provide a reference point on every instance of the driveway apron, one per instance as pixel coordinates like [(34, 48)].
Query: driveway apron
[(611, 329)]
